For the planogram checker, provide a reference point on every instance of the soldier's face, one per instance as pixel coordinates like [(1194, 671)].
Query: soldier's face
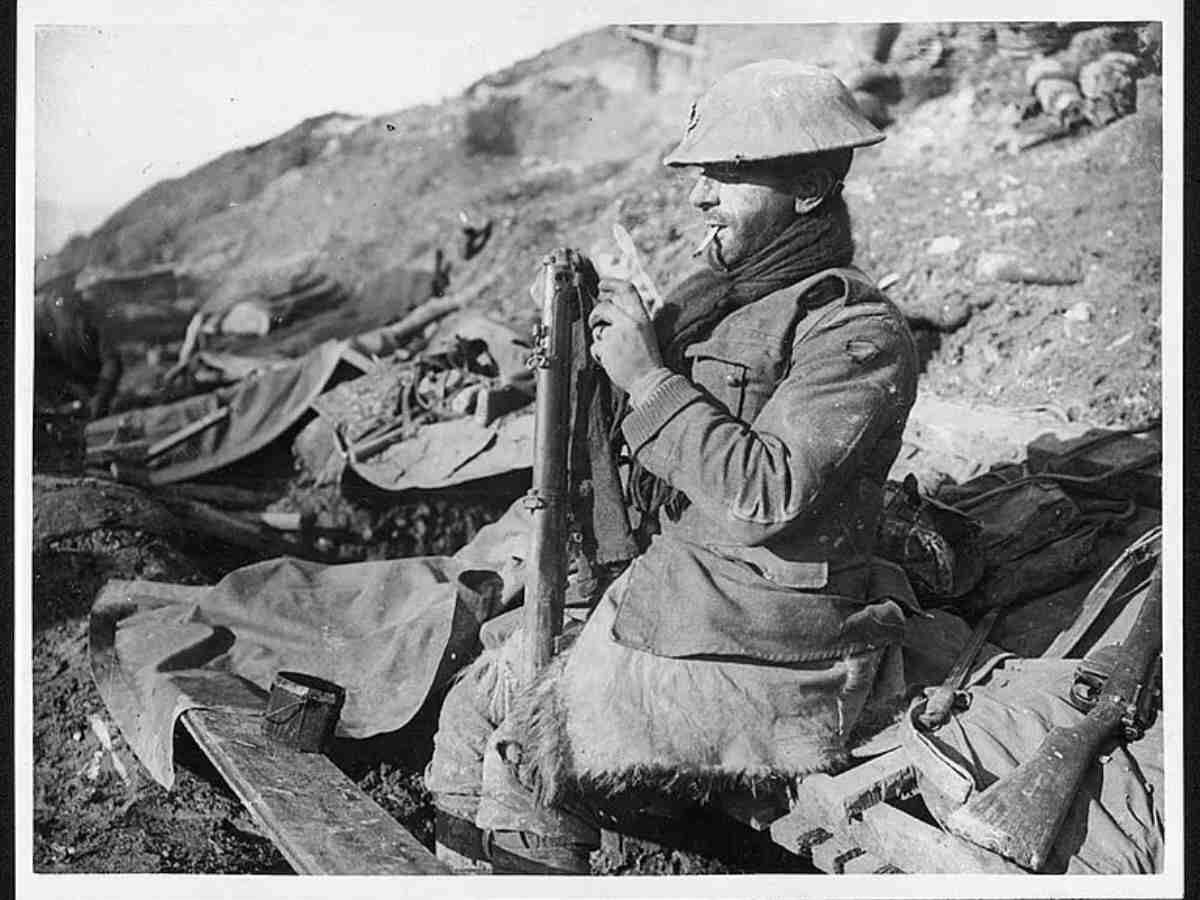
[(746, 209)]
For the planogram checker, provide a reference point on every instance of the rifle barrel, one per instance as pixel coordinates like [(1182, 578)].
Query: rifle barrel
[(546, 585)]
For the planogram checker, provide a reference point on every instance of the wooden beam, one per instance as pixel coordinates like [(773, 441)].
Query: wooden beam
[(825, 804), (802, 829), (320, 819), (889, 776), (839, 818), (918, 847), (358, 359), (385, 340), (838, 857), (223, 496), (665, 43), (192, 428), (201, 518)]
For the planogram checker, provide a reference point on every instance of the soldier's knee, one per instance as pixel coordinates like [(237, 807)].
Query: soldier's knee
[(464, 726)]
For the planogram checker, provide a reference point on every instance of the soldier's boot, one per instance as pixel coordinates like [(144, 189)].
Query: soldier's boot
[(525, 836), (460, 844), (454, 773), (529, 853)]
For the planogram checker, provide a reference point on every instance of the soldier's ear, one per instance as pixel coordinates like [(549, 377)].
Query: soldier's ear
[(810, 188)]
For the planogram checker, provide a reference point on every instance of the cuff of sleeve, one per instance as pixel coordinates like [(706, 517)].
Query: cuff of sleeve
[(641, 390), (645, 421)]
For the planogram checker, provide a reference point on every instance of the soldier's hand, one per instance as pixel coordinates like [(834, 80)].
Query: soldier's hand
[(623, 339)]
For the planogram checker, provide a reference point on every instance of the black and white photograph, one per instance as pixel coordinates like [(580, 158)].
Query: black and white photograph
[(735, 446)]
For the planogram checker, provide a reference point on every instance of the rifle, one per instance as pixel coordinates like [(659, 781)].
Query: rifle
[(547, 498), (1020, 815)]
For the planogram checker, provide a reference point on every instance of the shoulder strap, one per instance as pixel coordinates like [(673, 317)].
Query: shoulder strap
[(853, 281)]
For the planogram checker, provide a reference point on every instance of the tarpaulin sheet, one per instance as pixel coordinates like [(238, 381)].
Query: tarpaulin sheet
[(446, 453), (261, 408), (1115, 822), (388, 632)]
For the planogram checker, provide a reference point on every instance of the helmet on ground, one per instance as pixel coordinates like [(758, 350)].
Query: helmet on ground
[(769, 110)]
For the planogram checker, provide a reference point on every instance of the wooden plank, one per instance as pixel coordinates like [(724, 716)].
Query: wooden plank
[(918, 847), (358, 359), (864, 863), (846, 824), (320, 820), (192, 428), (889, 776), (664, 42), (801, 830), (825, 804), (386, 340), (199, 517)]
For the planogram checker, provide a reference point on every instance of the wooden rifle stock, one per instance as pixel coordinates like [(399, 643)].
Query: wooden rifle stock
[(547, 498), (1020, 815)]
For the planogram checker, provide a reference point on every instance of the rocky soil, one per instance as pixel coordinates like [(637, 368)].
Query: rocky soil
[(351, 198)]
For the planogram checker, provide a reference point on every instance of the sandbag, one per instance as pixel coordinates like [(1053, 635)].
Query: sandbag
[(1033, 538)]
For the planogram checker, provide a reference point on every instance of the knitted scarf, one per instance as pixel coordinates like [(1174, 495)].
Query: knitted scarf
[(813, 242)]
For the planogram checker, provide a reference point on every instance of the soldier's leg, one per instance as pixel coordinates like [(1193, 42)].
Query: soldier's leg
[(455, 773), (486, 819), (524, 836)]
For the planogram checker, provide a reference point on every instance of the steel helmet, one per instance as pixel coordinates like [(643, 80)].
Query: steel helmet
[(772, 109)]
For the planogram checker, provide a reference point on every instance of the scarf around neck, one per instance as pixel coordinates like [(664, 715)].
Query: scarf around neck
[(690, 311)]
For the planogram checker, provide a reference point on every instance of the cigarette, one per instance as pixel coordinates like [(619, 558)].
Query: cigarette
[(708, 239)]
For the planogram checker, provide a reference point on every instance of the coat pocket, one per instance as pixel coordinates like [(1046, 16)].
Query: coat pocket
[(799, 575), (738, 373)]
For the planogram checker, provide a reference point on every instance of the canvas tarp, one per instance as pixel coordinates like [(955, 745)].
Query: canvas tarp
[(389, 632), (452, 452), (1115, 822), (261, 408)]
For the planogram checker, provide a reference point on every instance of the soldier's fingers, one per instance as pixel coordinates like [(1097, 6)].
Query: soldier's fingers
[(612, 285), (624, 295)]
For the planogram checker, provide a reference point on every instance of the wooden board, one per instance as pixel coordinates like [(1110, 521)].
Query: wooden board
[(320, 820), (889, 776), (825, 804), (918, 847), (847, 824)]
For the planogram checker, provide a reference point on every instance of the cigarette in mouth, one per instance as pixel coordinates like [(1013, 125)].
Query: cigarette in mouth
[(708, 239)]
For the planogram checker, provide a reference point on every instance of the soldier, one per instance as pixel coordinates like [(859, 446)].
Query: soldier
[(766, 402), (72, 353)]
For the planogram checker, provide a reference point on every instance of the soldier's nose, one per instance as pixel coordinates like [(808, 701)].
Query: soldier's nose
[(704, 193)]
